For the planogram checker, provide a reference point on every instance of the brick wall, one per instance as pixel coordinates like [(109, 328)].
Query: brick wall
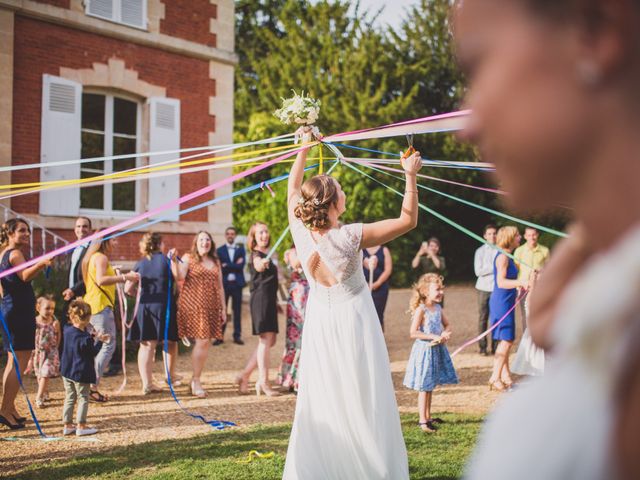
[(189, 19), (41, 48)]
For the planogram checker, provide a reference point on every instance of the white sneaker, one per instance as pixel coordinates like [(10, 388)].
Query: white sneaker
[(86, 431), (68, 431)]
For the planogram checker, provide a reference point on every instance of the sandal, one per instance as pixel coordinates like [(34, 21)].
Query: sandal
[(96, 396), (436, 420), (151, 389), (427, 427)]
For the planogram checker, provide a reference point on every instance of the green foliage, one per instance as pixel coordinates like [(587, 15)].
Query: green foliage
[(220, 455), (364, 76)]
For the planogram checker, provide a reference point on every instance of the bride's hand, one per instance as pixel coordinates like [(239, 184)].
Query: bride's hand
[(411, 164), (305, 134)]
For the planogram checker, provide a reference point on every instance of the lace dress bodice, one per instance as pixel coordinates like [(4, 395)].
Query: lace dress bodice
[(339, 250)]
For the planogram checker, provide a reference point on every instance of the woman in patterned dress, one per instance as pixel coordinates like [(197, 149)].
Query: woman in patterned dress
[(201, 312), (298, 293)]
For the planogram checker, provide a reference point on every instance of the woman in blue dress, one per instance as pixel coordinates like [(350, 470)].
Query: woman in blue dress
[(378, 260), (502, 306), (149, 324)]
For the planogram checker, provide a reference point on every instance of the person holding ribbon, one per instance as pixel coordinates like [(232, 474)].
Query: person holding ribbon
[(264, 309), (346, 422), (18, 310), (148, 326), (201, 312), (100, 280), (81, 229), (296, 304), (377, 267), (502, 306)]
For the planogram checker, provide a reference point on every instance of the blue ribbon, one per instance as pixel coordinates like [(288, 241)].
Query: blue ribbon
[(217, 424), (207, 203), (17, 367)]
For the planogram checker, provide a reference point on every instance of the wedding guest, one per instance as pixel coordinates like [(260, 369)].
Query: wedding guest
[(264, 309), (100, 280), (377, 266), (149, 325), (19, 311), (429, 259), (530, 258), (201, 311), (296, 304), (75, 288), (45, 359), (483, 267), (232, 257), (501, 306)]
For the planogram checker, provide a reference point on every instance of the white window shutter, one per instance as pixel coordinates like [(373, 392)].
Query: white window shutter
[(101, 8), (60, 139), (164, 134), (133, 12)]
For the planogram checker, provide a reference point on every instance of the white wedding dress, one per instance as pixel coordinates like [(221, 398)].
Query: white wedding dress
[(347, 425)]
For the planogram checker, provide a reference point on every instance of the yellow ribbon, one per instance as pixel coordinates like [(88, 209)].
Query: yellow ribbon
[(256, 454)]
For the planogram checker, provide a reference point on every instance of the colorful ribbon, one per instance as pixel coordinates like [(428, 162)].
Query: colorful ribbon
[(438, 215), (218, 148), (475, 205), (256, 454), (122, 302), (149, 213), (438, 123)]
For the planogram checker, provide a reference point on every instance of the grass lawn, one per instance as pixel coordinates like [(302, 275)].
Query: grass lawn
[(219, 455)]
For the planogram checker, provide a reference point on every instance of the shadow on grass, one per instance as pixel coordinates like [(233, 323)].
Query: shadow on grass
[(219, 455)]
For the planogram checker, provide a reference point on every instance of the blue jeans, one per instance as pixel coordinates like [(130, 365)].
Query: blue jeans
[(104, 322)]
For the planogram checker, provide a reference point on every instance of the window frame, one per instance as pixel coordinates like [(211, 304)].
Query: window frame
[(108, 151), (117, 14)]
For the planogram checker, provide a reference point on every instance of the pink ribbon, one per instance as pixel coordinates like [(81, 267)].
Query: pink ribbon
[(122, 301), (495, 325), (150, 213), (436, 123)]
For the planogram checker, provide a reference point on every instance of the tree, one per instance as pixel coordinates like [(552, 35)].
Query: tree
[(365, 77)]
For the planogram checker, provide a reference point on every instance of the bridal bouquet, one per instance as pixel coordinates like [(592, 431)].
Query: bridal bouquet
[(301, 110)]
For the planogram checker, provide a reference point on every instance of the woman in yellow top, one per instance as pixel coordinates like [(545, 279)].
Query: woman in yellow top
[(100, 280)]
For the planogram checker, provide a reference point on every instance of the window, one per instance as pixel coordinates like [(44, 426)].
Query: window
[(110, 127), (128, 12)]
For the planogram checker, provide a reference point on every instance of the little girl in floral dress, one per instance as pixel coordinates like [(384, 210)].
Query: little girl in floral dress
[(45, 360)]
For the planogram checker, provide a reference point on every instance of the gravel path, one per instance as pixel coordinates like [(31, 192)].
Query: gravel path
[(132, 418)]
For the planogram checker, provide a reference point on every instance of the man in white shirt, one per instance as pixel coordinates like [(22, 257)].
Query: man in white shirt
[(483, 266)]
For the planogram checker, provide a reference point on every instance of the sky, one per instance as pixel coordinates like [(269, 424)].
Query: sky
[(393, 12)]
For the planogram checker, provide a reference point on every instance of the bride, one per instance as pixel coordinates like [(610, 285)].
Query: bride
[(346, 422)]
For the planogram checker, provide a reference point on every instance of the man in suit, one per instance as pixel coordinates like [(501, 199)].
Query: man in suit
[(82, 229), (232, 257)]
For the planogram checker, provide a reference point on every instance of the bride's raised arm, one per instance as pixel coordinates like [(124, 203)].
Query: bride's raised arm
[(384, 231), (296, 175)]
